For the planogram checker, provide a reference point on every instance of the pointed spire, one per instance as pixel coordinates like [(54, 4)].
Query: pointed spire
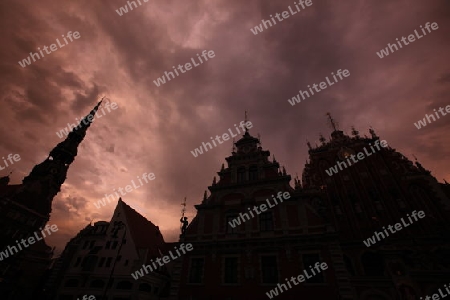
[(45, 179), (214, 180), (332, 122), (68, 149), (223, 168), (284, 171), (205, 196), (308, 144)]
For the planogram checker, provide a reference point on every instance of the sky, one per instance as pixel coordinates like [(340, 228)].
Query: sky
[(154, 129)]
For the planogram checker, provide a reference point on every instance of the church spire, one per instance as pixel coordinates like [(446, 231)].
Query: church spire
[(46, 178)]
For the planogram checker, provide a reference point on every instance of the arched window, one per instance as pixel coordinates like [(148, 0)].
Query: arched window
[(97, 284), (373, 264), (124, 285), (71, 283), (145, 287), (241, 174), (253, 173)]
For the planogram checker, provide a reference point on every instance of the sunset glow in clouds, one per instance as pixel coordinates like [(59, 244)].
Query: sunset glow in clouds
[(155, 128)]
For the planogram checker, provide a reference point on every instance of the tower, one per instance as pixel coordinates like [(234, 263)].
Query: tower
[(45, 180), (26, 207)]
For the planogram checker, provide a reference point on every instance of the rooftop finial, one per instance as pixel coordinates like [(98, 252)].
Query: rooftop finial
[(183, 220), (245, 121), (322, 139), (332, 122), (183, 210), (355, 132), (372, 133)]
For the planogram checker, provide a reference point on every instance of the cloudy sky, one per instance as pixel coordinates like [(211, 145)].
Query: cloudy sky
[(155, 128)]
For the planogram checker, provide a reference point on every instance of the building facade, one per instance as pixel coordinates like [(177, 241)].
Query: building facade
[(327, 219), (99, 261), (249, 260)]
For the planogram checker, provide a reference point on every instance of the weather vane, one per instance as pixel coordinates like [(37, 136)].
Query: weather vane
[(183, 219)]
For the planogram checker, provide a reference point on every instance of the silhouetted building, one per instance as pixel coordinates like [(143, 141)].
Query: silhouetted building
[(99, 261), (246, 261), (326, 219), (371, 194), (24, 209)]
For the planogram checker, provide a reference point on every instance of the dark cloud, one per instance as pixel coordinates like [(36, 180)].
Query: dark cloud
[(155, 128)]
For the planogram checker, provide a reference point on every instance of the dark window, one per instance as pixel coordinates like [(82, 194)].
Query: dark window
[(119, 258), (124, 285), (230, 229), (108, 244), (266, 221), (126, 262), (145, 287), (231, 270), (253, 173), (77, 262), (91, 245), (114, 245), (108, 262), (86, 243), (373, 264), (196, 272), (241, 175), (269, 269), (102, 261), (90, 263), (311, 260), (97, 284), (71, 283)]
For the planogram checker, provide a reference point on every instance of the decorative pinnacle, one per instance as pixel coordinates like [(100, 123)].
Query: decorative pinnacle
[(355, 132), (245, 121), (332, 122), (322, 139)]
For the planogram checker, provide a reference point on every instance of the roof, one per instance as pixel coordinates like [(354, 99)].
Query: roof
[(144, 233)]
